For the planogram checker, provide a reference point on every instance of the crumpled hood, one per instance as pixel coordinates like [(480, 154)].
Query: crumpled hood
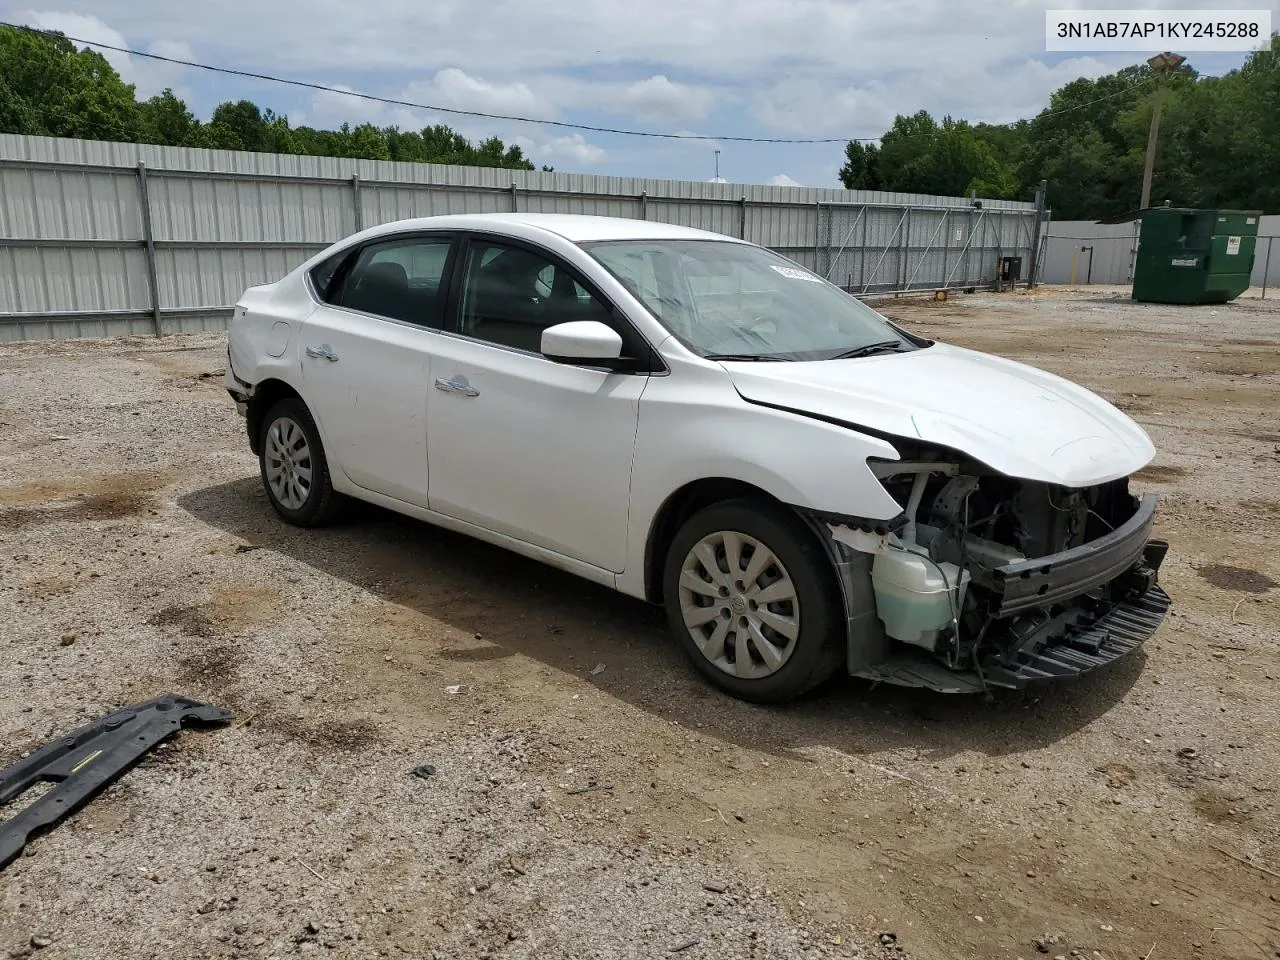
[(1014, 418)]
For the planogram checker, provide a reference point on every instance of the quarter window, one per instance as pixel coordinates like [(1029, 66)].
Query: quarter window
[(324, 273), (399, 279)]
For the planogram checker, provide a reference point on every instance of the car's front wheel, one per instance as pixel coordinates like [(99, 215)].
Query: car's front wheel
[(754, 601), (294, 469)]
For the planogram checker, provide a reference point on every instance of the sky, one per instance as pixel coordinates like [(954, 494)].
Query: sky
[(755, 68)]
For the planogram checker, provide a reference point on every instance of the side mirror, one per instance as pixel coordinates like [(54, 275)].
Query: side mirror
[(581, 341)]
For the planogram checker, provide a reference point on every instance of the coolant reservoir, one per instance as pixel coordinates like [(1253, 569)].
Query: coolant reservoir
[(913, 600)]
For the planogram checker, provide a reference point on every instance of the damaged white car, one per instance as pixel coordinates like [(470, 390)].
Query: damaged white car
[(704, 424)]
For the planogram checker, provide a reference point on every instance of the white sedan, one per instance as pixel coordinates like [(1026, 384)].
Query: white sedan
[(701, 423)]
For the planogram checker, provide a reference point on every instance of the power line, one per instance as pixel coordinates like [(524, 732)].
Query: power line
[(392, 101), (1081, 106), (565, 124)]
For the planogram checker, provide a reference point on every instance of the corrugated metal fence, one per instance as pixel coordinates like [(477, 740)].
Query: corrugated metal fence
[(108, 239), (1083, 251)]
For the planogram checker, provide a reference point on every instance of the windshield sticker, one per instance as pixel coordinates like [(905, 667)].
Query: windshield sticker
[(793, 273)]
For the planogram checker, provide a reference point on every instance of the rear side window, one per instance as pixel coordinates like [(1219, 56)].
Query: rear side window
[(399, 279), (324, 274)]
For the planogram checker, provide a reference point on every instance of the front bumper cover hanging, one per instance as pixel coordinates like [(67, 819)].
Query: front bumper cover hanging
[(87, 759)]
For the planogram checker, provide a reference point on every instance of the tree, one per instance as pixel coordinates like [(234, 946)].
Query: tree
[(861, 170), (49, 88), (1219, 145), (1086, 144), (1224, 135), (237, 125), (920, 155), (17, 113), (365, 142), (165, 119), (404, 145), (276, 135)]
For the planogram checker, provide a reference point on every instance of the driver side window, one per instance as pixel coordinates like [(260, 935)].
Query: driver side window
[(511, 294)]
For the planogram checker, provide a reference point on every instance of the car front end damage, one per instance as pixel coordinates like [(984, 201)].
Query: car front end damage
[(1007, 581)]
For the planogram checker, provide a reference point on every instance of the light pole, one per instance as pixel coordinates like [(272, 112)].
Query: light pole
[(1161, 64)]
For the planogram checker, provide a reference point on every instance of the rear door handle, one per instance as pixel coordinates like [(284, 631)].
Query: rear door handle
[(322, 352), (456, 386)]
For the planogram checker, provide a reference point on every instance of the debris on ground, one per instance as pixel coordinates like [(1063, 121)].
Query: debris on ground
[(85, 761), (1048, 941)]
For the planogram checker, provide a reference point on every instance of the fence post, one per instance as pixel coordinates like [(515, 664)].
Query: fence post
[(742, 217), (862, 256), (149, 238), (644, 205), (1035, 234), (1266, 267), (831, 215), (817, 236), (357, 202), (906, 249), (946, 244), (515, 200), (997, 224)]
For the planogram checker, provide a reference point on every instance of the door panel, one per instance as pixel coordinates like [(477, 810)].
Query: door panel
[(366, 361), (534, 449), (371, 402)]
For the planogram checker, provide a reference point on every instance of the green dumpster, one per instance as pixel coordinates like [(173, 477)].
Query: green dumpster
[(1194, 256)]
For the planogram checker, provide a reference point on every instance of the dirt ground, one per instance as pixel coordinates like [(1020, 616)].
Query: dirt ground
[(1131, 815)]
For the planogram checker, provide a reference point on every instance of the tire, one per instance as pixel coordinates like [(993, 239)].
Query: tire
[(794, 640), (295, 471)]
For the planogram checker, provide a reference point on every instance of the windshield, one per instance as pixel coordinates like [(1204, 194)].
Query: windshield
[(736, 301)]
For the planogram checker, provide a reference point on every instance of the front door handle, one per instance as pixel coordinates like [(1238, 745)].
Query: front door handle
[(322, 352), (457, 385)]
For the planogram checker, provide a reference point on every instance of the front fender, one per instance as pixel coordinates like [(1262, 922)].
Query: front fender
[(807, 463)]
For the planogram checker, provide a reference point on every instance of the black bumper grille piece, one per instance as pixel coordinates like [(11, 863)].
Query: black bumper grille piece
[(1114, 635)]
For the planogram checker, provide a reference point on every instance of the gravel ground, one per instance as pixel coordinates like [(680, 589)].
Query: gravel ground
[(139, 557)]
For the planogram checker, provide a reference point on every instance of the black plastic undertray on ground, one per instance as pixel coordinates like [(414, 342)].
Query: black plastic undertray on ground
[(81, 763)]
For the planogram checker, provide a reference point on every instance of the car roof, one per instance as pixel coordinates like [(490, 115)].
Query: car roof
[(576, 228)]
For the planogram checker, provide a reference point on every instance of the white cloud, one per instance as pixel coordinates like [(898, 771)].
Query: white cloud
[(574, 149), (329, 109), (459, 90), (814, 107), (782, 180), (656, 100)]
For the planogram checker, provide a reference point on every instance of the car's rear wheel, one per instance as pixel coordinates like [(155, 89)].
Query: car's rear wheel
[(754, 601), (294, 470)]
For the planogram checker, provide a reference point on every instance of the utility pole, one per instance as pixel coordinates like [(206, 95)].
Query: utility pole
[(1161, 64), (1034, 265), (1152, 136)]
